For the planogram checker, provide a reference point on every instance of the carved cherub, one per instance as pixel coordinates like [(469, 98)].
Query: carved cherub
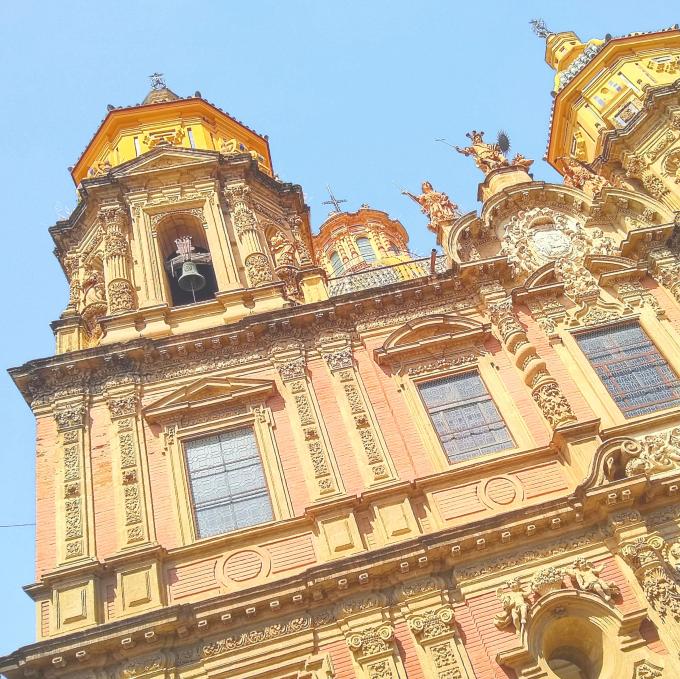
[(576, 174), (282, 250), (521, 161), (515, 602), (659, 453), (435, 204), (93, 287), (487, 157), (587, 578)]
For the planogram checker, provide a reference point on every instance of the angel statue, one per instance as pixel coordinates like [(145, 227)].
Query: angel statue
[(282, 250), (515, 602), (487, 157), (436, 205), (587, 578)]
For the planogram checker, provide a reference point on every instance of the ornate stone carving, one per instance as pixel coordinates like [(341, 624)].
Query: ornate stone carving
[(487, 157), (283, 251), (587, 578), (553, 403), (123, 406), (433, 623), (242, 216), (258, 269), (653, 454), (515, 602), (372, 640), (436, 205), (646, 670), (648, 557), (546, 580), (70, 416), (544, 389), (121, 296), (576, 174), (542, 235)]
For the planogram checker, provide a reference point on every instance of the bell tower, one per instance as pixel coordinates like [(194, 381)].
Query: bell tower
[(178, 206), (616, 109)]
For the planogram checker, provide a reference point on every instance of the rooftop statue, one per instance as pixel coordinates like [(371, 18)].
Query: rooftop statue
[(487, 157), (436, 205)]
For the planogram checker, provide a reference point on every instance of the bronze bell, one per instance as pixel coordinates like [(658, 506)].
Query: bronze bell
[(191, 280)]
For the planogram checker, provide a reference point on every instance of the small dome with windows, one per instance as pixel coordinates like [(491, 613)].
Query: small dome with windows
[(351, 242)]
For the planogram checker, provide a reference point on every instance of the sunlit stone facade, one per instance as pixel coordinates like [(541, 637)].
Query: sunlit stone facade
[(267, 453)]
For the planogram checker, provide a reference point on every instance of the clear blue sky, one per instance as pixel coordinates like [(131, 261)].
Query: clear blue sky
[(351, 93)]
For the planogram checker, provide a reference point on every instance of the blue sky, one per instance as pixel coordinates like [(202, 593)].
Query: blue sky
[(352, 94)]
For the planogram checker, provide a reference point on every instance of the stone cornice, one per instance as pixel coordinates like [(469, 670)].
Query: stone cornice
[(559, 526)]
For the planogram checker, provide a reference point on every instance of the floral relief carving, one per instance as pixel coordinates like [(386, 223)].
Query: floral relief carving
[(649, 558), (371, 641), (652, 454), (553, 404), (258, 269), (445, 661), (70, 416), (121, 296), (123, 406), (433, 623)]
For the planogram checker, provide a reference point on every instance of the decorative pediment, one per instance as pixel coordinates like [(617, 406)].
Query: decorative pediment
[(209, 392), (164, 158), (430, 333)]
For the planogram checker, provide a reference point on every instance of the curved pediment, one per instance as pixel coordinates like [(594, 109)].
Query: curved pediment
[(208, 392), (432, 331)]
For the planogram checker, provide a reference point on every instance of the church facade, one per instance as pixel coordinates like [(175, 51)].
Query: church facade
[(263, 452)]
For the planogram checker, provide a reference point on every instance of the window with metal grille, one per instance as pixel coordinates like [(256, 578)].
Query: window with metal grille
[(228, 486), (464, 416), (366, 249), (635, 374)]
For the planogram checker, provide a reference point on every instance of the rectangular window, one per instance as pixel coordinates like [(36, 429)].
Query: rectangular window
[(228, 486), (635, 374), (135, 141), (190, 133), (465, 417), (366, 249)]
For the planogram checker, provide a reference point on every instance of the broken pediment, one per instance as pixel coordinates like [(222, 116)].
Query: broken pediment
[(208, 392)]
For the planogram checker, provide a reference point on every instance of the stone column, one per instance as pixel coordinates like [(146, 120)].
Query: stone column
[(374, 652), (665, 269), (74, 505), (544, 388), (255, 259), (356, 410), (291, 365), (120, 293), (128, 469)]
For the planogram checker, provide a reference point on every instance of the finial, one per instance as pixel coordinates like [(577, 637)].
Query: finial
[(157, 81), (539, 28), (335, 202)]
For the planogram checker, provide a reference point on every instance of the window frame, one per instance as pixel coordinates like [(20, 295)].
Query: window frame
[(500, 397), (593, 390), (485, 397), (259, 419)]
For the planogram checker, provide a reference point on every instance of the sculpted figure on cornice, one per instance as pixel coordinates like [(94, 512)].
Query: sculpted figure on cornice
[(542, 235), (577, 175), (435, 204), (654, 454), (515, 602), (283, 250), (487, 157)]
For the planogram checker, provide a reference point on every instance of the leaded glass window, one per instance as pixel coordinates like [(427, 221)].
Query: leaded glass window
[(228, 486), (465, 417), (366, 249), (635, 374)]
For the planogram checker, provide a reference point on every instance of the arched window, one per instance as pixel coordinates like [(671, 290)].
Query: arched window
[(336, 263), (366, 249), (187, 261)]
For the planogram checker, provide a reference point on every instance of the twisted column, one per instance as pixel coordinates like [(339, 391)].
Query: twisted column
[(544, 388)]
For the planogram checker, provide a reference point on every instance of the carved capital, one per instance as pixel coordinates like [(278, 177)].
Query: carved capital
[(371, 641), (123, 406), (432, 624), (70, 416)]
